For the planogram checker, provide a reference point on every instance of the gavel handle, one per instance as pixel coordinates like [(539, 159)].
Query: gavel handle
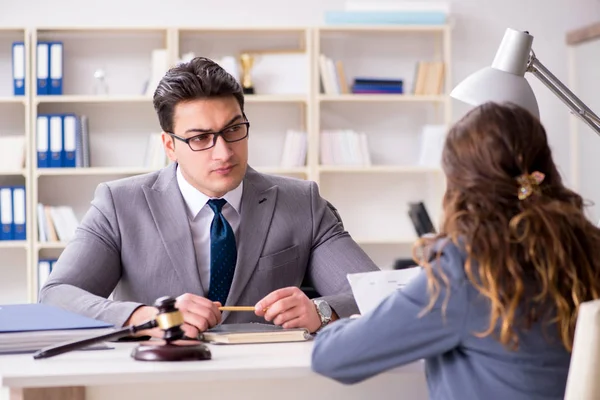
[(55, 350)]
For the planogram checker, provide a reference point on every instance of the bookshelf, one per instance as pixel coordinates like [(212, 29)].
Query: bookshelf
[(120, 121), (15, 255)]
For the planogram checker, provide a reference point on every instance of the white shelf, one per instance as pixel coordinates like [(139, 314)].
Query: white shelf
[(13, 173), (283, 171), (382, 28), (276, 98), (51, 245), (398, 169), (92, 99), (391, 241), (13, 99), (13, 244), (92, 171), (380, 98)]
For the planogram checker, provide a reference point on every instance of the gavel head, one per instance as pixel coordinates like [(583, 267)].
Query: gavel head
[(169, 319)]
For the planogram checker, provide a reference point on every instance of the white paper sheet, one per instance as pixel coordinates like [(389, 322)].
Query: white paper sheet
[(371, 288)]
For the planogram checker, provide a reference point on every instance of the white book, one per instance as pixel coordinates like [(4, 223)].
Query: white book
[(43, 272), (158, 67), (42, 228)]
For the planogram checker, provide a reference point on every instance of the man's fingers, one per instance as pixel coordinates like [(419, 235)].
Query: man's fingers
[(280, 307), (289, 315), (274, 297), (190, 331)]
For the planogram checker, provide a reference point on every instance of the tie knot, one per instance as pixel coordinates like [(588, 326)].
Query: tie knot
[(216, 205)]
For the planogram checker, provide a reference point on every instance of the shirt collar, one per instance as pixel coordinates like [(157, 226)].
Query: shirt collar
[(195, 199)]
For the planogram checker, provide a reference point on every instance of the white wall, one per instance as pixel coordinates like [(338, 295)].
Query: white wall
[(480, 25)]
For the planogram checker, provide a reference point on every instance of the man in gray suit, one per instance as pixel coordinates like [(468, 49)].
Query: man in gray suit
[(208, 230)]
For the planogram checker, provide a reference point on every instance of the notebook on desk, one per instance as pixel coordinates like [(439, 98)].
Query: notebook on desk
[(30, 327), (253, 332)]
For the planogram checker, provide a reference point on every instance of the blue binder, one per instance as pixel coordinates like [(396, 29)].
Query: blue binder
[(42, 67), (19, 213), (42, 137), (56, 68), (69, 140), (55, 141), (18, 68), (6, 213), (37, 317)]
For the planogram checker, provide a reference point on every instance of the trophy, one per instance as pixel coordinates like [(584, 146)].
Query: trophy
[(247, 60)]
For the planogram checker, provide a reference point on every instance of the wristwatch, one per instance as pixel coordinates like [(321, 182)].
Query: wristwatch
[(324, 311)]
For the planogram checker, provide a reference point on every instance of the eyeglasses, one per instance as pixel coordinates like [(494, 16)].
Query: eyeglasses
[(205, 141)]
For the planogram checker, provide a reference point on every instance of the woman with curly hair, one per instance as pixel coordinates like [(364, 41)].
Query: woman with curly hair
[(493, 311)]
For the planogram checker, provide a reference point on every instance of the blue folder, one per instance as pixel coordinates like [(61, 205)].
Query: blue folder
[(38, 317)]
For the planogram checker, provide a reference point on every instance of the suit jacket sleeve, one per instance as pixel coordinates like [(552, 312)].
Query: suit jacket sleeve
[(89, 268), (334, 254), (397, 332)]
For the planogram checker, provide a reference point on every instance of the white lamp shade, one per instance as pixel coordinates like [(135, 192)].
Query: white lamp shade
[(490, 84), (504, 81)]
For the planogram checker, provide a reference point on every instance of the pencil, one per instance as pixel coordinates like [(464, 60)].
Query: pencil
[(236, 308)]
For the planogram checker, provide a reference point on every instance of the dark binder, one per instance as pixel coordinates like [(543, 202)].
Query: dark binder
[(420, 219)]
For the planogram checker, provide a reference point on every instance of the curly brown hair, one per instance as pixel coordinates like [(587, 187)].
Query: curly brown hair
[(534, 259)]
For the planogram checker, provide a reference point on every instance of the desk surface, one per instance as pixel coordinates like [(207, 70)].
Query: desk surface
[(116, 366)]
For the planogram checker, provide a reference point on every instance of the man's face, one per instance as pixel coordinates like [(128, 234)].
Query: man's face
[(217, 170)]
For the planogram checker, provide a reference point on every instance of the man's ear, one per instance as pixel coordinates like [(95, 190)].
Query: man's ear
[(169, 145)]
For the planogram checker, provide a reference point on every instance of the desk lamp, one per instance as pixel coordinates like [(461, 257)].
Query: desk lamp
[(505, 80), (168, 319)]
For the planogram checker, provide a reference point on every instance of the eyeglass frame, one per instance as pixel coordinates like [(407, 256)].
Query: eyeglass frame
[(216, 135)]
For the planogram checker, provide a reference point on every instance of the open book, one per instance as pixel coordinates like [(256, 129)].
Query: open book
[(254, 333)]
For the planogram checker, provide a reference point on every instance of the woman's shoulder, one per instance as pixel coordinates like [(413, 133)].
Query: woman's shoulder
[(449, 255)]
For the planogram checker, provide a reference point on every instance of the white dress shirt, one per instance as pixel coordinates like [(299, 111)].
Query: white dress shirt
[(200, 216)]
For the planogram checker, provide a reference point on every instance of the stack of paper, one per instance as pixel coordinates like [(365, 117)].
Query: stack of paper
[(371, 288), (30, 327)]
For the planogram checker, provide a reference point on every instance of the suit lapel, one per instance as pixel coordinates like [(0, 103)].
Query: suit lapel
[(168, 210), (257, 209)]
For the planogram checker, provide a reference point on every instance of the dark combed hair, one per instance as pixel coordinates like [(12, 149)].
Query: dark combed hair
[(535, 260), (199, 78)]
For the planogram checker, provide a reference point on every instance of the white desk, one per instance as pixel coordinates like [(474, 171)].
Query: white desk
[(264, 371)]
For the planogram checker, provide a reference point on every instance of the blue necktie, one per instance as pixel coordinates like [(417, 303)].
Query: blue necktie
[(223, 253)]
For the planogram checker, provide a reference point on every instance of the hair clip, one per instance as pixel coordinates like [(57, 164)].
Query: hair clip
[(529, 183)]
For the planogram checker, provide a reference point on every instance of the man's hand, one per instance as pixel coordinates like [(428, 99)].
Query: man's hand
[(290, 308), (199, 314)]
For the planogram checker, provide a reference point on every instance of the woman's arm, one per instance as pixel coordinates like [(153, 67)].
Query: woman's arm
[(393, 334)]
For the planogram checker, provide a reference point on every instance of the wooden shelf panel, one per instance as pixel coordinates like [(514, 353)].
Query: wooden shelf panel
[(92, 99), (14, 173), (382, 28), (396, 169), (381, 98), (385, 241), (51, 245), (13, 244), (13, 99), (283, 171), (92, 171), (276, 98)]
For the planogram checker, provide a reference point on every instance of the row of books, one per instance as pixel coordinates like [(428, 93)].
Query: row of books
[(45, 267), (344, 147), (294, 149), (13, 215), (62, 141), (388, 12), (56, 223)]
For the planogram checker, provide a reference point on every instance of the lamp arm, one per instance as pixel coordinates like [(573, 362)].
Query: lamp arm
[(577, 106)]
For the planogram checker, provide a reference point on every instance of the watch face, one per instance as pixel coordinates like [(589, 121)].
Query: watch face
[(324, 309)]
